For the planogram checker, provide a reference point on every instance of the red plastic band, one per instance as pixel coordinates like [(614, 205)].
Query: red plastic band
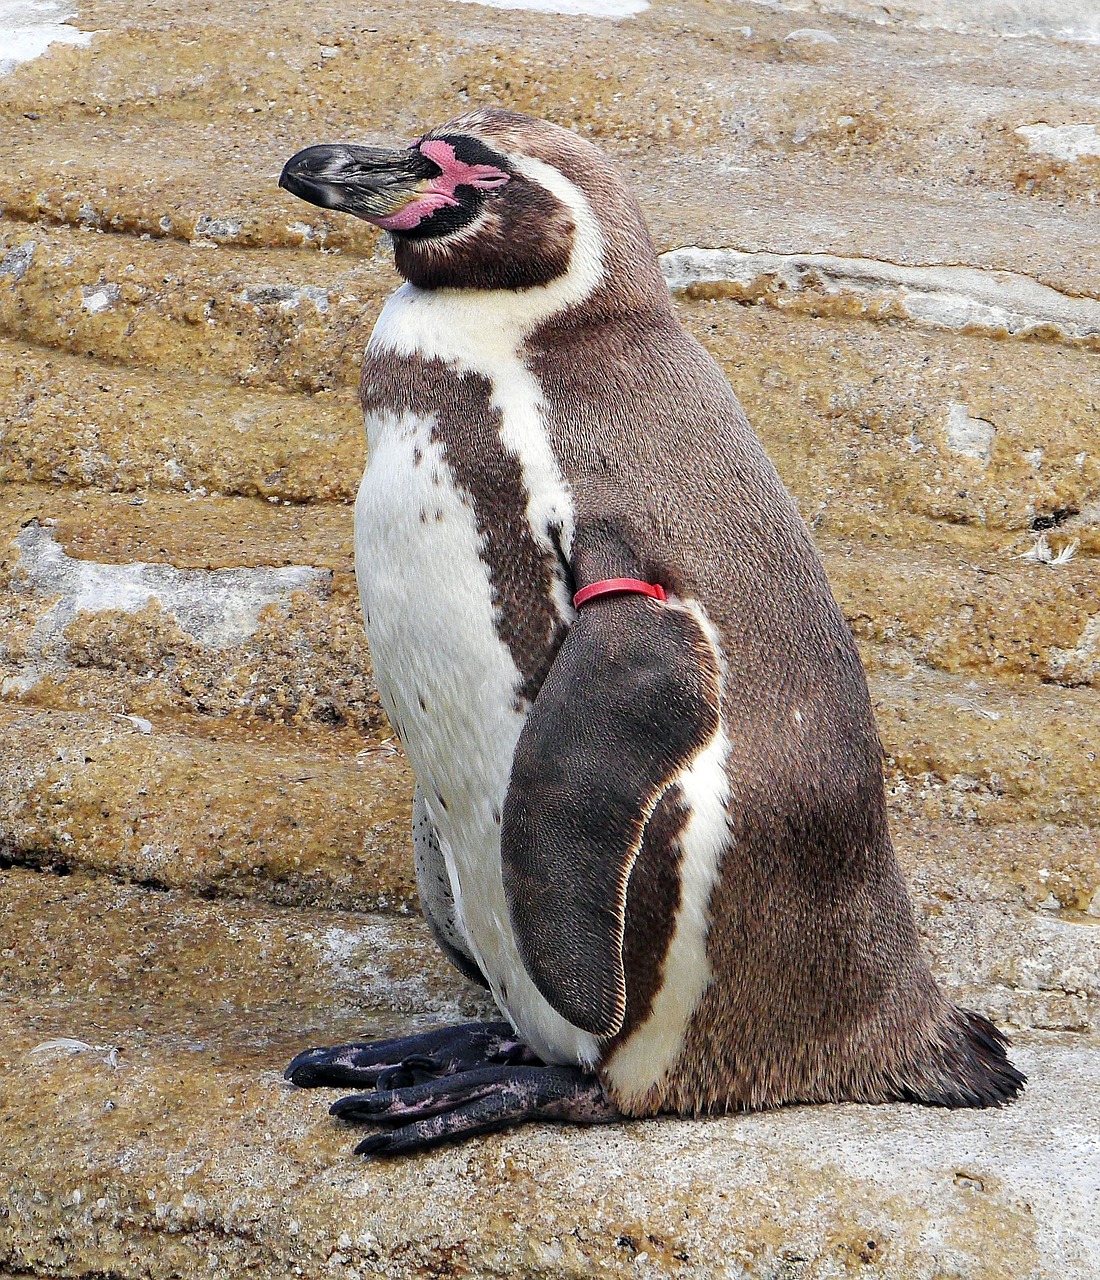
[(618, 587)]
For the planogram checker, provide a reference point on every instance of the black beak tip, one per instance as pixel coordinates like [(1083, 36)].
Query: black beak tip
[(300, 173), (288, 177), (292, 166)]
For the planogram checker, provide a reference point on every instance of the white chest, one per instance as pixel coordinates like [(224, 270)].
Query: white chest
[(449, 684), (446, 679)]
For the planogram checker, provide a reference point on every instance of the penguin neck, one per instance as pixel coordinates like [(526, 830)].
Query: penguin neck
[(446, 322), (612, 271)]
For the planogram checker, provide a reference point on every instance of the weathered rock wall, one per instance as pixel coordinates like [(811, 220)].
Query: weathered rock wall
[(884, 225)]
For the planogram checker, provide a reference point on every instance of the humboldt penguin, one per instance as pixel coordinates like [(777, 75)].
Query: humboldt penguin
[(649, 812)]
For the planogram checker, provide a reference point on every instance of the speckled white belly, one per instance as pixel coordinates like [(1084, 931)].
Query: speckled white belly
[(449, 686)]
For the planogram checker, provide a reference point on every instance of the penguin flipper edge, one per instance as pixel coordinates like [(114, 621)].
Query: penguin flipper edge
[(631, 698)]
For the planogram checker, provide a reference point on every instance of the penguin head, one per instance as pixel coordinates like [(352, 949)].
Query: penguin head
[(491, 200)]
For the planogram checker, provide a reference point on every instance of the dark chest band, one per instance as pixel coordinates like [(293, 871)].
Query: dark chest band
[(618, 587)]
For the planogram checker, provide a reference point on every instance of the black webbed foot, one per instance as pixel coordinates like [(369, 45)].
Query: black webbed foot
[(478, 1101), (395, 1064), (450, 1084)]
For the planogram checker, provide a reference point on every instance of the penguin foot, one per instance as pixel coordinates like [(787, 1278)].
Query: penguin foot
[(401, 1063), (478, 1101)]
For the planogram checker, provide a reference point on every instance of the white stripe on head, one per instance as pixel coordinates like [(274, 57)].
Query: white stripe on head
[(472, 326)]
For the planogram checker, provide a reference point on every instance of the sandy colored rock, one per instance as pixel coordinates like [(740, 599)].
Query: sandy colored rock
[(270, 642), (71, 421), (969, 748), (245, 981), (857, 418), (182, 309), (959, 611), (883, 226), (1010, 918), (191, 531), (313, 818), (922, 111), (244, 813), (863, 421), (169, 1142)]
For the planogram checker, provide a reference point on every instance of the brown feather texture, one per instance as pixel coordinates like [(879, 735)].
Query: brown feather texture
[(743, 697)]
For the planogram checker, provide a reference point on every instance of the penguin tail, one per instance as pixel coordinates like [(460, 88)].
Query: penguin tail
[(969, 1066)]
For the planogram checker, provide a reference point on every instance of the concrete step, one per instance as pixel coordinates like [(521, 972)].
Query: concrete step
[(147, 1131)]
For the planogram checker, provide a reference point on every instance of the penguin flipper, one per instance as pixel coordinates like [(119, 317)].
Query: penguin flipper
[(631, 698)]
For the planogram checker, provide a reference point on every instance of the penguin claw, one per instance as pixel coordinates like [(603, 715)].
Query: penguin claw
[(378, 1144), (472, 1102), (409, 1060), (422, 1134), (449, 1084), (339, 1065)]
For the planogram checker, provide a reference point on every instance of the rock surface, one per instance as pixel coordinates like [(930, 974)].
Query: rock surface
[(146, 1084), (881, 220)]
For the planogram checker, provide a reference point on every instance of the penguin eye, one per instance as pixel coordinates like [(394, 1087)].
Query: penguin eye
[(465, 162)]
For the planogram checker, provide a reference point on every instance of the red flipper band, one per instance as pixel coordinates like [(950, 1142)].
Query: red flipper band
[(618, 587)]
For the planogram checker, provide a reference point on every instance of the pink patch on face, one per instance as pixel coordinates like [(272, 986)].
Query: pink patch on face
[(415, 211), (441, 190)]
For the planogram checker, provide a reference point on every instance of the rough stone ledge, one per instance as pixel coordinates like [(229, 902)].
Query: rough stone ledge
[(870, 425), (1004, 751), (259, 641), (996, 614), (76, 421), (304, 818), (873, 426), (190, 531), (147, 1132), (178, 309), (256, 1179), (125, 605), (218, 608), (996, 303), (1060, 20), (317, 816)]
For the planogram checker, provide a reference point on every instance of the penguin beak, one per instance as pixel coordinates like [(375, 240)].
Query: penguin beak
[(374, 183)]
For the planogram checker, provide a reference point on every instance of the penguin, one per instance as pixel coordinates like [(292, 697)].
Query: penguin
[(649, 813)]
